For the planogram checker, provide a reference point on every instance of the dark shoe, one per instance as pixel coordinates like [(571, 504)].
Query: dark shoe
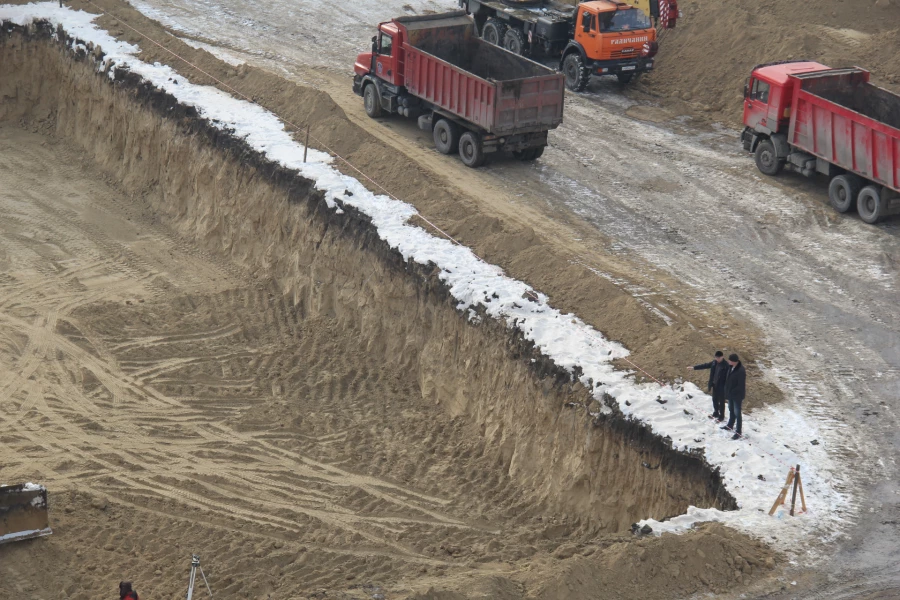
[(736, 436), (719, 419), (725, 427), (713, 416)]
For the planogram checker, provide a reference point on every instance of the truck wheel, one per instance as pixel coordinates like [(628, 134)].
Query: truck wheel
[(524, 155), (514, 40), (471, 150), (446, 137), (870, 205), (577, 75), (625, 78), (842, 191), (766, 159), (493, 31), (530, 154), (371, 101)]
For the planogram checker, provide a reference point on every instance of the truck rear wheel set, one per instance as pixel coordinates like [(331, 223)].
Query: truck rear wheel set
[(471, 149), (843, 191), (514, 41), (493, 32), (446, 136)]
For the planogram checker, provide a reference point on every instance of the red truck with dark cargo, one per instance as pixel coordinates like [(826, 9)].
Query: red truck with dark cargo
[(814, 119), (475, 98)]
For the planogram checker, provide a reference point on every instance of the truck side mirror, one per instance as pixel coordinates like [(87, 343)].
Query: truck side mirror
[(585, 25), (747, 89)]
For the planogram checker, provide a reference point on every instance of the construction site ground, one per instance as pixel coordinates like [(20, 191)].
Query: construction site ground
[(643, 217)]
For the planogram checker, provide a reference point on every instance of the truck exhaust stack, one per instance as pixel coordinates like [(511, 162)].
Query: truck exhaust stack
[(24, 512)]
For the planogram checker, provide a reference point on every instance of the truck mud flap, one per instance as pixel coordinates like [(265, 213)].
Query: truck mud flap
[(24, 512)]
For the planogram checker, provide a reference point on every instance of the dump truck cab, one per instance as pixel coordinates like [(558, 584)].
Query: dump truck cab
[(768, 93), (610, 38), (386, 60)]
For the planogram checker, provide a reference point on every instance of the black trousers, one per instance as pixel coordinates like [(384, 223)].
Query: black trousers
[(718, 399), (734, 414)]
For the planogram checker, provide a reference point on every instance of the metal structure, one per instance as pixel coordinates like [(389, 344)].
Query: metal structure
[(24, 512), (195, 566)]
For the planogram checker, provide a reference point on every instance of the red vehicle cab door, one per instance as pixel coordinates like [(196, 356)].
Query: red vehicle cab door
[(757, 94), (386, 58)]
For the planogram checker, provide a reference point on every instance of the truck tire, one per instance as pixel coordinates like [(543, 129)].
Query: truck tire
[(625, 78), (493, 31), (471, 150), (530, 154), (577, 75), (371, 101), (766, 159), (446, 136), (870, 205), (843, 190), (515, 41)]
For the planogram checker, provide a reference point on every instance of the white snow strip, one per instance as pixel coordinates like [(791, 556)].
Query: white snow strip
[(776, 437)]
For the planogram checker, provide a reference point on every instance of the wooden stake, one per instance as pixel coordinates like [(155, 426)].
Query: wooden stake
[(782, 495), (306, 145), (802, 497), (794, 493)]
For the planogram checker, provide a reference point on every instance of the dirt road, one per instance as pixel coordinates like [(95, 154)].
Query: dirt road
[(688, 221)]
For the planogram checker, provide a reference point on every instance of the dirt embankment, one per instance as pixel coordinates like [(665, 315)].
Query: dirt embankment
[(511, 446), (503, 238), (707, 58)]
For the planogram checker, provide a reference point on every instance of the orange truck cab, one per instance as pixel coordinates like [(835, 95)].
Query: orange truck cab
[(600, 37), (611, 38)]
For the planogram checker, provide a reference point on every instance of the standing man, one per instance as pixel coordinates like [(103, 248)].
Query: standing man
[(735, 390), (716, 386)]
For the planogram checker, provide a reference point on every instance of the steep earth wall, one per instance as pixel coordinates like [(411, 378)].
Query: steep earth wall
[(606, 472)]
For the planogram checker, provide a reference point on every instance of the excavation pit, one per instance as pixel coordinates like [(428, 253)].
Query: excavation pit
[(218, 354)]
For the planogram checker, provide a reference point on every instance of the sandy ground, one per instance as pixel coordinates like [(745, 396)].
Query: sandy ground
[(668, 208)]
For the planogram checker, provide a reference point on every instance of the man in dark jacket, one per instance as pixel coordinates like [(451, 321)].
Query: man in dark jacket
[(125, 591), (716, 386), (735, 390)]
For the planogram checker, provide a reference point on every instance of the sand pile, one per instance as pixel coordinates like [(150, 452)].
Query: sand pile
[(707, 58)]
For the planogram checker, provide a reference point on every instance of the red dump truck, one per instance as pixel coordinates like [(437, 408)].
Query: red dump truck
[(814, 119), (475, 98)]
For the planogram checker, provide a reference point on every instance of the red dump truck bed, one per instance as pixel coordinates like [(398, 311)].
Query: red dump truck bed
[(500, 92), (838, 116)]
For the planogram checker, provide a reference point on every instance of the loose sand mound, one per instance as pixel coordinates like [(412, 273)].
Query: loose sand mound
[(327, 426), (706, 59)]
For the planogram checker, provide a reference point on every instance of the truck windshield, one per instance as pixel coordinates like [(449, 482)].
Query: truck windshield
[(624, 20)]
